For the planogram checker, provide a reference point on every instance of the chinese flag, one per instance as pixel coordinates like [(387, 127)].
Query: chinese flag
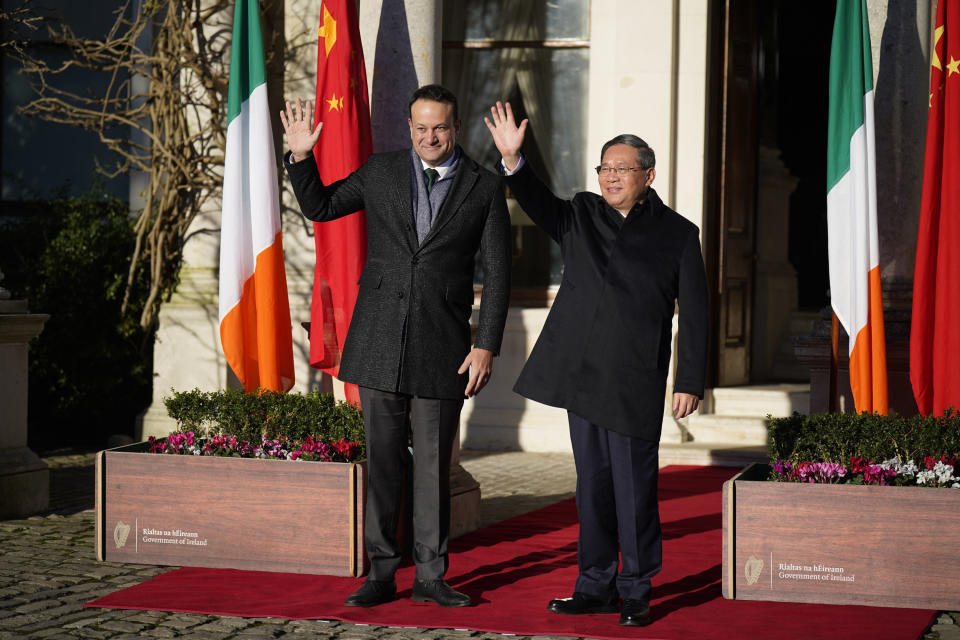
[(345, 143), (935, 329)]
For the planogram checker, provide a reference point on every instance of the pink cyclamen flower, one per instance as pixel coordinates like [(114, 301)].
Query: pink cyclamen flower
[(822, 472), (875, 474)]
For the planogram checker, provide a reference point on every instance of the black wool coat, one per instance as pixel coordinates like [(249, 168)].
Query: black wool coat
[(410, 329), (605, 348)]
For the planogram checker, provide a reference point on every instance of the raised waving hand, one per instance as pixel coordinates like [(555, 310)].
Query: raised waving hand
[(506, 134), (298, 130)]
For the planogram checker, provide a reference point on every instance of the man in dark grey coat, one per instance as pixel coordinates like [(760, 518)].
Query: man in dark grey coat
[(429, 210), (604, 352)]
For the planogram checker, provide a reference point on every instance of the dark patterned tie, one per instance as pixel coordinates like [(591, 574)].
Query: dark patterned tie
[(432, 175)]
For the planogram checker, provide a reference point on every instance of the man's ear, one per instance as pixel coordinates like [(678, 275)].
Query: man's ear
[(651, 175)]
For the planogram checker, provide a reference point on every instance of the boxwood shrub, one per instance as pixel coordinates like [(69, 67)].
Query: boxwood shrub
[(249, 416), (838, 437)]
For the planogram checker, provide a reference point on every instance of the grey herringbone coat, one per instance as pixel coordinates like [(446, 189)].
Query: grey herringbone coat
[(410, 329)]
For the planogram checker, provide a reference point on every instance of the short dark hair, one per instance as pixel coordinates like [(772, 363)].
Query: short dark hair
[(645, 156), (436, 93)]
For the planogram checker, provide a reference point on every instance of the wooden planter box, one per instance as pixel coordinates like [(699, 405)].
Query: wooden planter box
[(840, 544), (239, 513)]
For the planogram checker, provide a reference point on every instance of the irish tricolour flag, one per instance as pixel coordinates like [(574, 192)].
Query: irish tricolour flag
[(852, 206), (254, 309)]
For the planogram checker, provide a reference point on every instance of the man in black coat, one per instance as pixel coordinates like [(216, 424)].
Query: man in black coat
[(429, 210), (604, 353)]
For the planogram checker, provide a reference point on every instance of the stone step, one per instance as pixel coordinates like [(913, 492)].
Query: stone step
[(778, 399), (736, 417), (726, 429), (713, 454)]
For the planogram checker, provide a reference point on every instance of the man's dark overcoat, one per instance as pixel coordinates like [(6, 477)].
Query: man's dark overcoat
[(605, 348), (410, 329)]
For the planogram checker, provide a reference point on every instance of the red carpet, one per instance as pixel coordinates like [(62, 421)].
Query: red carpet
[(514, 568)]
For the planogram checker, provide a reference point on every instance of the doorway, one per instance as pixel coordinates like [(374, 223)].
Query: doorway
[(765, 229)]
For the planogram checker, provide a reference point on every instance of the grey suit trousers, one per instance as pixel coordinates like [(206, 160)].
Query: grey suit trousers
[(391, 421)]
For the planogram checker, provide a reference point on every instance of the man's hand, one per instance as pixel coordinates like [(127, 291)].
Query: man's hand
[(480, 364), (506, 134), (684, 404), (301, 137)]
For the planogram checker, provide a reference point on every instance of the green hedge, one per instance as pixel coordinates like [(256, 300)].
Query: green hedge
[(250, 416), (90, 370), (837, 437)]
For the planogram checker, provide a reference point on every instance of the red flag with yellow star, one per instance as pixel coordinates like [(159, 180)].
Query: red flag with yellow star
[(935, 328), (345, 143)]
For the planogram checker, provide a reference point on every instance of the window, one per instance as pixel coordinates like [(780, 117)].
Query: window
[(533, 54), (33, 163)]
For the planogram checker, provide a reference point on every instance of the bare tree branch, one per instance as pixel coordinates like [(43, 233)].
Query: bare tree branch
[(16, 25), (162, 113)]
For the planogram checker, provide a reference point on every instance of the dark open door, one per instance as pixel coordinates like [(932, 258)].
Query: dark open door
[(731, 189)]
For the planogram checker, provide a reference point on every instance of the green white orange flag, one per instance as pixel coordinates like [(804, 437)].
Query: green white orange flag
[(853, 245), (254, 309)]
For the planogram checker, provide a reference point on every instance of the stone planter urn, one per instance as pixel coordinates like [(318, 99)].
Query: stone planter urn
[(24, 477)]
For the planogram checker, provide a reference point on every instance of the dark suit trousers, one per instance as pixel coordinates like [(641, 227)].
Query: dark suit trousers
[(389, 420), (617, 507)]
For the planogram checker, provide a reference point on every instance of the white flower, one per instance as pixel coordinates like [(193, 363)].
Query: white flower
[(955, 485), (925, 476), (944, 472), (908, 468)]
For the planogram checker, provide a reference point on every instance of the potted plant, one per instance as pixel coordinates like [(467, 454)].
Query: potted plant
[(267, 481), (853, 509)]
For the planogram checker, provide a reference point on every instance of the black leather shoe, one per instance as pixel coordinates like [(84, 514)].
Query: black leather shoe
[(635, 613), (373, 592), (439, 592), (581, 603)]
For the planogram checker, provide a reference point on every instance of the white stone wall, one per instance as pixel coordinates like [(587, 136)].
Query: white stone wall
[(647, 76)]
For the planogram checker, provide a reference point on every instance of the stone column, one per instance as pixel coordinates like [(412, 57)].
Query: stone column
[(900, 32), (24, 477), (900, 38), (402, 51)]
